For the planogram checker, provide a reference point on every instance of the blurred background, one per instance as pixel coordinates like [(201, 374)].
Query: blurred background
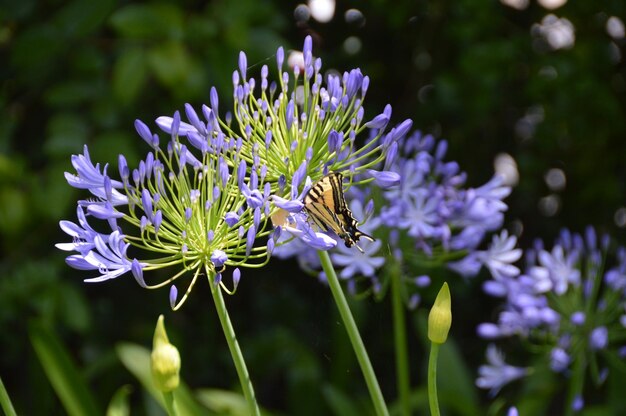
[(534, 88)]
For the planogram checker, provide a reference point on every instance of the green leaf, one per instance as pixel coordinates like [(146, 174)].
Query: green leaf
[(5, 401), (80, 18), (14, 211), (148, 21), (66, 132), (170, 63), (137, 360), (119, 403), (339, 402), (223, 402), (72, 92), (129, 74), (62, 373)]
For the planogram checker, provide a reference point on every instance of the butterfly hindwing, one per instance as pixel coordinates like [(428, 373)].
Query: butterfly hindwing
[(326, 206)]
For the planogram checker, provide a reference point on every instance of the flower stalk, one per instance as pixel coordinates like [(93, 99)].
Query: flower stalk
[(400, 342), (233, 346), (439, 322), (433, 400), (353, 333)]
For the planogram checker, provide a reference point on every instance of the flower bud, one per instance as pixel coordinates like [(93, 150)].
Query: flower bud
[(440, 317), (165, 360)]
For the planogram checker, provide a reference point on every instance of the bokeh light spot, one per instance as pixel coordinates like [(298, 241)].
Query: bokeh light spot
[(322, 10), (516, 4), (549, 205), (551, 4), (505, 166), (557, 32), (354, 17), (302, 13), (620, 217), (615, 27), (555, 179), (352, 45)]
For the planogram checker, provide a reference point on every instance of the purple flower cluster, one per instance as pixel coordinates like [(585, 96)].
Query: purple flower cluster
[(430, 204), (201, 199), (570, 301), (424, 207)]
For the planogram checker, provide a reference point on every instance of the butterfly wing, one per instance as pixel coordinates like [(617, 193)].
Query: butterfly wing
[(326, 205)]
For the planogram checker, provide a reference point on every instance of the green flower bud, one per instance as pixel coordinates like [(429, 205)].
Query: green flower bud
[(440, 317), (165, 360)]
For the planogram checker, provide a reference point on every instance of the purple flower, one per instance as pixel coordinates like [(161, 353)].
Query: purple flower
[(599, 338), (91, 178), (496, 374), (559, 360), (355, 263), (501, 254)]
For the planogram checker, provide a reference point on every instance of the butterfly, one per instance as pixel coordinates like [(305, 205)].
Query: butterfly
[(326, 206)]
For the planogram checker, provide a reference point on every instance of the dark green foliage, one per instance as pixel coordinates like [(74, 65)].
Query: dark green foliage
[(80, 72)]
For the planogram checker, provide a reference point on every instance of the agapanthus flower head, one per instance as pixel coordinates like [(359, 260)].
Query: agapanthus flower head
[(297, 127), (194, 206), (567, 301)]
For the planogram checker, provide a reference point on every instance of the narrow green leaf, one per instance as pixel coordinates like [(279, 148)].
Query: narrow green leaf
[(5, 401), (339, 402), (137, 360), (223, 402), (62, 372)]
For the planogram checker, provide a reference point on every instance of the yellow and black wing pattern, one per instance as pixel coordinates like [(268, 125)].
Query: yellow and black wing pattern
[(326, 206)]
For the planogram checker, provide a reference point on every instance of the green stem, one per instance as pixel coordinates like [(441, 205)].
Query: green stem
[(433, 401), (353, 334), (576, 382), (399, 331), (235, 351), (168, 397), (5, 401)]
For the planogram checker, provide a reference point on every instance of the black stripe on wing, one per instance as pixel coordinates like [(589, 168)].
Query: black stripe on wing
[(326, 206)]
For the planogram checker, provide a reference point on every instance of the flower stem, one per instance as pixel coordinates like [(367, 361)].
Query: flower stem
[(433, 401), (353, 334), (576, 382), (399, 331), (235, 351), (168, 397)]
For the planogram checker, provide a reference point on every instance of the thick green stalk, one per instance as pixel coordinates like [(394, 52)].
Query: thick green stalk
[(353, 334), (235, 351), (433, 401), (399, 331)]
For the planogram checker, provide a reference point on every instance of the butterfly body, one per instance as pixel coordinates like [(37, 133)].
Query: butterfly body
[(326, 206)]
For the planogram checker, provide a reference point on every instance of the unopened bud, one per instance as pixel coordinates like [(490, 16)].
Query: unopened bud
[(165, 360), (440, 317)]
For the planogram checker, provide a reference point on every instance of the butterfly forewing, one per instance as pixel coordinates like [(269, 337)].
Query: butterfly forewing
[(326, 206)]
